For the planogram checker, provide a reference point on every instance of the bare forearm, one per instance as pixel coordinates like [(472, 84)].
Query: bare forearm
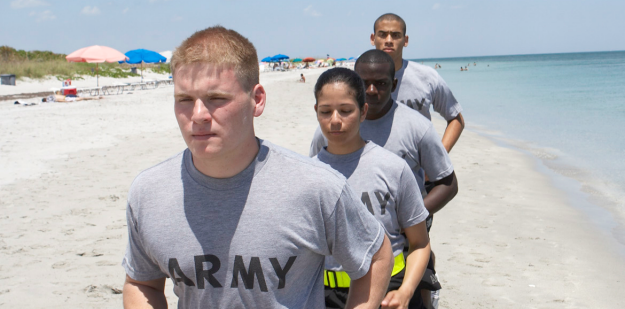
[(416, 262), (444, 191), (368, 291), (141, 296), (452, 132)]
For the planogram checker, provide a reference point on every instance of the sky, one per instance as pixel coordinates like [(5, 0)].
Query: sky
[(436, 29)]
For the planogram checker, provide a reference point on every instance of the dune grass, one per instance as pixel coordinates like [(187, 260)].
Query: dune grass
[(41, 64)]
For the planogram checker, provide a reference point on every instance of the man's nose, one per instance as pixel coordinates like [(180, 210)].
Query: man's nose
[(389, 39), (371, 90), (201, 114)]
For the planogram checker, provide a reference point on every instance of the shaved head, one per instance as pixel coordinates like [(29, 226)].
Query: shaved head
[(376, 56), (390, 17)]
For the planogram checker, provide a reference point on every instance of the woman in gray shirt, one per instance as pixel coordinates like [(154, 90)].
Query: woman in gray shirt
[(383, 180)]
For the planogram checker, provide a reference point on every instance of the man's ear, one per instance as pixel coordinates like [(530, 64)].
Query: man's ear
[(315, 108), (372, 38), (260, 98), (406, 42), (394, 84), (363, 112)]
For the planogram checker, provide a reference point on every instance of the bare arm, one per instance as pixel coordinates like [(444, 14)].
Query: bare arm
[(144, 294), (452, 132), (444, 191), (416, 262), (368, 291)]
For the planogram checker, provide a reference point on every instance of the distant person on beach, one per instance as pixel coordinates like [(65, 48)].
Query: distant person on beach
[(461, 69), (233, 220), (67, 99), (302, 79), (407, 134), (418, 86), (388, 187)]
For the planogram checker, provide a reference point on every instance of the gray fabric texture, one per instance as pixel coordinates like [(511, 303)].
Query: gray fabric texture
[(387, 189), (419, 87), (408, 134), (256, 240)]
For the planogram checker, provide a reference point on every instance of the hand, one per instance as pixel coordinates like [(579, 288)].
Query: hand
[(396, 299)]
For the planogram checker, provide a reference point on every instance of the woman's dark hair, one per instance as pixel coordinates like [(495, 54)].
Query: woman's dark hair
[(346, 76)]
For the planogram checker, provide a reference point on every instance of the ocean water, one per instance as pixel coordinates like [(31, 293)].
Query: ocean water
[(566, 109)]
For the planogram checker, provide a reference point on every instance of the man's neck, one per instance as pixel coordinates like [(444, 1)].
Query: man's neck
[(399, 63), (382, 113), (230, 164)]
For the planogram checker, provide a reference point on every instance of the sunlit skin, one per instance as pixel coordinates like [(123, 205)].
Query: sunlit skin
[(390, 37), (339, 118), (215, 115), (379, 86)]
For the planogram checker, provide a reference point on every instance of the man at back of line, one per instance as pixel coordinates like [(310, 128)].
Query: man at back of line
[(418, 86)]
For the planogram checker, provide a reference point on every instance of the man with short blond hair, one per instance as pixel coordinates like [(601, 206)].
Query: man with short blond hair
[(235, 221)]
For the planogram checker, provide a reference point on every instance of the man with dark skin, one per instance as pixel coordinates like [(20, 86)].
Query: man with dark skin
[(417, 82), (380, 83)]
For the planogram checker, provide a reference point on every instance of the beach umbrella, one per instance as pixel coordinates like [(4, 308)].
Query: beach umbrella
[(266, 59), (297, 60), (96, 54), (144, 56), (341, 59), (330, 60), (352, 58), (279, 57), (308, 59)]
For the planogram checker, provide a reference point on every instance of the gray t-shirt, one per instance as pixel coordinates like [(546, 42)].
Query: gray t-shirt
[(420, 87), (387, 189), (255, 240), (407, 134)]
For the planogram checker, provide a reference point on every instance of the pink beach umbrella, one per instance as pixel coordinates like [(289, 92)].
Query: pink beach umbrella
[(96, 54)]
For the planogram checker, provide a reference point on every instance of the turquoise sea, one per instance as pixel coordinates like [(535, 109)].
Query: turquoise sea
[(567, 110)]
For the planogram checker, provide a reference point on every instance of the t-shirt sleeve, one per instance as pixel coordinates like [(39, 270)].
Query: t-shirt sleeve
[(443, 100), (353, 234), (410, 208), (317, 143), (137, 263), (433, 156)]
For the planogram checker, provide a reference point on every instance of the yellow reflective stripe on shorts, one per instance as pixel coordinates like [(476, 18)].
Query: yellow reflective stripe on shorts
[(340, 279)]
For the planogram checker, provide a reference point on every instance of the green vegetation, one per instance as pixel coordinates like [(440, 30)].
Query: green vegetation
[(39, 64)]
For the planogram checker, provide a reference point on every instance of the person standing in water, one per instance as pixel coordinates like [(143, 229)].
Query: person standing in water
[(385, 182)]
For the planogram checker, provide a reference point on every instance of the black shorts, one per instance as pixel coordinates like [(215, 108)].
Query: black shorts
[(337, 297)]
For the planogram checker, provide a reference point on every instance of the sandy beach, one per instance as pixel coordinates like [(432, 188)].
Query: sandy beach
[(510, 239)]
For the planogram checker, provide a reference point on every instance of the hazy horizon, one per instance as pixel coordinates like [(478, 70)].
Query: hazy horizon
[(436, 28)]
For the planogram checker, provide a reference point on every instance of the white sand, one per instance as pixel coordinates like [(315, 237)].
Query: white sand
[(28, 85), (508, 240)]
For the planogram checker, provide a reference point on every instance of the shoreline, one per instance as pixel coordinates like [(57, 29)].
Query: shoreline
[(601, 205), (63, 233)]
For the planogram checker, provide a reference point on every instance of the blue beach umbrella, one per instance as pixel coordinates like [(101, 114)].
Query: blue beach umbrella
[(341, 59), (144, 55), (266, 59), (352, 58), (279, 57)]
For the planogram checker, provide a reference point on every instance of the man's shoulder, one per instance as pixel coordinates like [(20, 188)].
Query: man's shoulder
[(413, 117), (297, 164), (422, 69), (157, 174)]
